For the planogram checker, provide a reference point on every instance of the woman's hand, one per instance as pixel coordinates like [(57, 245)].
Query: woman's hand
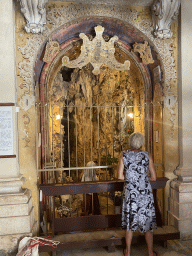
[(151, 179), (152, 169)]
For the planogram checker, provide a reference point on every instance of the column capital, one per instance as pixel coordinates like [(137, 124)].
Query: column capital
[(11, 185)]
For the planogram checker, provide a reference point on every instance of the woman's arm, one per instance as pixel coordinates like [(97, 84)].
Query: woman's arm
[(152, 169), (120, 174)]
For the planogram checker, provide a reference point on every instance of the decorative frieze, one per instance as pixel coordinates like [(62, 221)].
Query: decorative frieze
[(163, 13)]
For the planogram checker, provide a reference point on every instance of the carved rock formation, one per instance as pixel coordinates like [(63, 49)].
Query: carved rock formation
[(95, 114)]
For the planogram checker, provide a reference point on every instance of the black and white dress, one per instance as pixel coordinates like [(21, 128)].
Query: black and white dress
[(138, 211)]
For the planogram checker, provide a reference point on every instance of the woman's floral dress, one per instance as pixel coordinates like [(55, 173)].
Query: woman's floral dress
[(138, 212)]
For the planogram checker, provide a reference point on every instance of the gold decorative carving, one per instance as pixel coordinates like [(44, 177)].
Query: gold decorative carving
[(52, 49), (96, 52), (145, 52)]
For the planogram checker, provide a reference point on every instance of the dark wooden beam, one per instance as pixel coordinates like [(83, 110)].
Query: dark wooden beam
[(92, 187), (91, 222)]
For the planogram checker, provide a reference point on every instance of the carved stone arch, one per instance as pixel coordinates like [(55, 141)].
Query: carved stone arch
[(127, 33)]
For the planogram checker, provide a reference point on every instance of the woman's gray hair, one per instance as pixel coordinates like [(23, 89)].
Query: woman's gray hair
[(136, 140)]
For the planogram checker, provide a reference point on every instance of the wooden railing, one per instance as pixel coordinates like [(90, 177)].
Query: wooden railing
[(68, 224)]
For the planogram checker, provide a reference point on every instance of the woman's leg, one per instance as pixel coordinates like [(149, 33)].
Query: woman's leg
[(128, 239), (149, 240)]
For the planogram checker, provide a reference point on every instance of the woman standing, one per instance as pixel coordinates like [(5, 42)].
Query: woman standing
[(138, 212)]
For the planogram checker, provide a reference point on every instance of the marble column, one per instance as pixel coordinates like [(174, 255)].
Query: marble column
[(16, 210), (180, 200)]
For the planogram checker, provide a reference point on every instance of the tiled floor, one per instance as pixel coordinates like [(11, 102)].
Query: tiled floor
[(175, 248)]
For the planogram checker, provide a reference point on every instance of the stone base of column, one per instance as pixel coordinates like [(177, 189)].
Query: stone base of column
[(16, 219), (180, 207), (11, 185)]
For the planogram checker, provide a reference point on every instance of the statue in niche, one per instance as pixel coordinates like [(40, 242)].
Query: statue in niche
[(144, 51), (96, 52), (52, 49)]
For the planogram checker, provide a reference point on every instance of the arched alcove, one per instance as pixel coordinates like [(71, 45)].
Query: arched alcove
[(146, 101)]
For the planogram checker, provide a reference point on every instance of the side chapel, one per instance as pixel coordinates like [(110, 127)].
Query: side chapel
[(77, 78)]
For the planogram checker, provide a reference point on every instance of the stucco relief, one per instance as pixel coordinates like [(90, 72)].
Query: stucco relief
[(52, 49), (97, 52), (163, 13), (26, 137), (35, 14), (60, 15), (29, 52), (57, 16), (165, 49), (26, 73), (145, 52), (27, 101)]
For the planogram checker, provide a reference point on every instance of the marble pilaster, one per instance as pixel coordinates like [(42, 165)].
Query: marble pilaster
[(16, 210)]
